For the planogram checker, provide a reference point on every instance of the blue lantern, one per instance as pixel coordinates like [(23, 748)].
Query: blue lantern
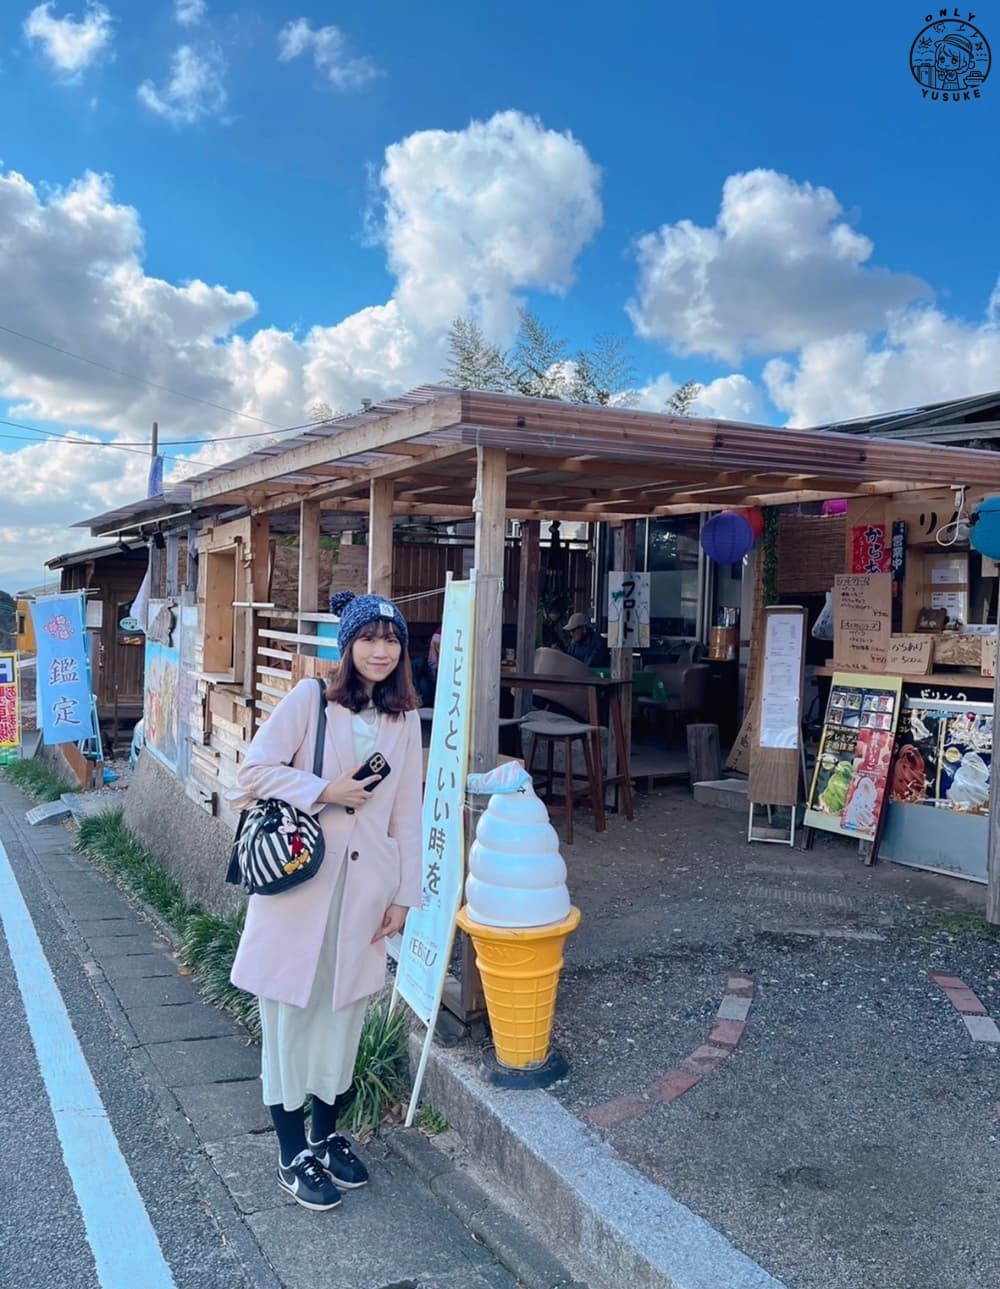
[(726, 538), (985, 531)]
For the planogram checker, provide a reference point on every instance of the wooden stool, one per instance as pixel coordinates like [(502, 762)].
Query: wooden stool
[(567, 732)]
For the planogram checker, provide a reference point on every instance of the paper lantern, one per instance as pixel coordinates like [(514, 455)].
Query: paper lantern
[(754, 517), (837, 507), (985, 528), (726, 538)]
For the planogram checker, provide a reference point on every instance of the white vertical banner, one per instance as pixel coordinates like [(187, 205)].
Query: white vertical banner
[(628, 610), (425, 948)]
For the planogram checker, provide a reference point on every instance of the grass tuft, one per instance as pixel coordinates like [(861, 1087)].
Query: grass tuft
[(431, 1122), (37, 780), (104, 839), (209, 944), (380, 1072)]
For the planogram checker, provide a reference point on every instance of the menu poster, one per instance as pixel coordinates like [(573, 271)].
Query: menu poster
[(915, 774), (855, 752), (782, 684), (944, 758), (966, 761), (871, 550), (862, 621)]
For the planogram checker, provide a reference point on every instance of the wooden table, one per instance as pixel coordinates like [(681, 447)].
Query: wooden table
[(595, 686)]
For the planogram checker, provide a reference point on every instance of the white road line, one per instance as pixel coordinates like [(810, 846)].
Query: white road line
[(121, 1236)]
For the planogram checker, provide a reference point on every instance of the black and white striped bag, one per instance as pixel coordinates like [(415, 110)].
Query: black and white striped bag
[(277, 846)]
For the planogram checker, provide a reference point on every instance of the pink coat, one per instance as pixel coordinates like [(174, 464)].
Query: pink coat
[(380, 844)]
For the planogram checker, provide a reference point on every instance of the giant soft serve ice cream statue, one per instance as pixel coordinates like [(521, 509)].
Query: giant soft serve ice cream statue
[(518, 915)]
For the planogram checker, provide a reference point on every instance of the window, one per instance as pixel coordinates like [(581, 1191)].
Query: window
[(672, 562)]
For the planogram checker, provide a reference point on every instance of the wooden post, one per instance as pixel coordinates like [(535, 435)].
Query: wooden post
[(258, 590), (380, 537), (993, 834), (623, 561), (490, 505), (173, 542), (527, 607), (309, 535), (704, 754)]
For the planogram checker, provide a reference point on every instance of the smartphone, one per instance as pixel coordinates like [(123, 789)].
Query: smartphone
[(376, 764)]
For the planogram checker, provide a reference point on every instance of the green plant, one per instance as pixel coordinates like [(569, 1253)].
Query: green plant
[(37, 780), (105, 839), (208, 944), (380, 1069), (431, 1122)]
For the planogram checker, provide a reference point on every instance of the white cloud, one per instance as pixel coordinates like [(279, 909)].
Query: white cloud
[(499, 207), (189, 13), (729, 398), (194, 90), (780, 268), (70, 44), (331, 54), (923, 356)]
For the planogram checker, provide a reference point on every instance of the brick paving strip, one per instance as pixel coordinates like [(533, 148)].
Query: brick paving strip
[(722, 1041), (982, 1028)]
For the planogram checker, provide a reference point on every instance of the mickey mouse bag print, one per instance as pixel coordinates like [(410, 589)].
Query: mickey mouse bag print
[(277, 846)]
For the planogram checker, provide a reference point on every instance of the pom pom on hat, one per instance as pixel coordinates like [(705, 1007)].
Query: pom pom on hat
[(358, 611)]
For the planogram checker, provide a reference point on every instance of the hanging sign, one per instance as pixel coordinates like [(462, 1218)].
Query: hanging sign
[(628, 610), (65, 705), (862, 621), (10, 706), (855, 752), (871, 551)]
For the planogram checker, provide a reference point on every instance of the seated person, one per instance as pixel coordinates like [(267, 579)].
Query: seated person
[(550, 632), (585, 645)]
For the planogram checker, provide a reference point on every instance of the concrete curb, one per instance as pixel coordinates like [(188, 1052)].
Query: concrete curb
[(507, 1239), (591, 1201)]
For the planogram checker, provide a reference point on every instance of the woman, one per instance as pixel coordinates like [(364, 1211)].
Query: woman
[(315, 953)]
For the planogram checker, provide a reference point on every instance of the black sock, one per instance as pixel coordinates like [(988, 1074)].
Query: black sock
[(325, 1116), (290, 1126)]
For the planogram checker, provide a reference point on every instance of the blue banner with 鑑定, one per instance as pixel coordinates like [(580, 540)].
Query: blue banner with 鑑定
[(65, 709)]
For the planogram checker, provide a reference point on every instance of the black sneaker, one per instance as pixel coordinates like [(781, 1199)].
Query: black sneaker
[(308, 1182), (340, 1161)]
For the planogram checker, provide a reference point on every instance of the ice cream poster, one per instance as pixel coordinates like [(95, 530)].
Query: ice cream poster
[(966, 761), (855, 754)]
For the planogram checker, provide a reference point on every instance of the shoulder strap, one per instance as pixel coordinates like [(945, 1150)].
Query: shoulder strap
[(320, 731)]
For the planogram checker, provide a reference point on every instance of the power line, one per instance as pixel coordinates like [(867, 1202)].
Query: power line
[(140, 380), (66, 438)]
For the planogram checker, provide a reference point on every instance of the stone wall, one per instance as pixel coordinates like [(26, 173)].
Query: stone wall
[(190, 844)]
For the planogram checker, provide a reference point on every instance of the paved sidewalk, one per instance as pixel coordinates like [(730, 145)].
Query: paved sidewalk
[(204, 1076)]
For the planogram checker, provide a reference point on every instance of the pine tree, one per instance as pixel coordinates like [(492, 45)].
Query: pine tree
[(604, 374), (679, 402), (539, 360), (473, 362)]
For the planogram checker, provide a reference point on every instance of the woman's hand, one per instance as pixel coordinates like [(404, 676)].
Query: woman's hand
[(395, 916), (347, 791)]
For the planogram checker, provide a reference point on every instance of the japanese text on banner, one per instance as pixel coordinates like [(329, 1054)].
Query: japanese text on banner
[(10, 711), (628, 610), (429, 930), (63, 677)]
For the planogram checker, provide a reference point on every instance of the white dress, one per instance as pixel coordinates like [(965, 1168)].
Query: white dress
[(312, 1049)]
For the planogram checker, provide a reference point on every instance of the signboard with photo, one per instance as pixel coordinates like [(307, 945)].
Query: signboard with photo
[(852, 767), (944, 758)]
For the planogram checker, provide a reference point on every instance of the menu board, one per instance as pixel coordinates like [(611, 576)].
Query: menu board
[(944, 757), (782, 684), (862, 621), (855, 753)]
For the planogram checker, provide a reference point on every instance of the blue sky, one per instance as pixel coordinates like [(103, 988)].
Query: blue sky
[(270, 182)]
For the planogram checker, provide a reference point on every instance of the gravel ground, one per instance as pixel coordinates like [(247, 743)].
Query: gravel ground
[(852, 1141)]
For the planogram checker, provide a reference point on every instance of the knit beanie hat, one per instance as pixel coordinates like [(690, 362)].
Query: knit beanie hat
[(358, 611)]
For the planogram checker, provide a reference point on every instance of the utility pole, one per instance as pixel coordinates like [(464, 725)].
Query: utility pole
[(156, 438)]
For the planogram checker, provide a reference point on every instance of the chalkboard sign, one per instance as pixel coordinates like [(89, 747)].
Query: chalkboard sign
[(775, 752)]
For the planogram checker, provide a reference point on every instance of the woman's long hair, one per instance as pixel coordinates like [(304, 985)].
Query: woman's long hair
[(392, 696)]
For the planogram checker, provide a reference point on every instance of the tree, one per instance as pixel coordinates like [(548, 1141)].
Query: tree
[(679, 402), (539, 360), (604, 374), (473, 362), (320, 412)]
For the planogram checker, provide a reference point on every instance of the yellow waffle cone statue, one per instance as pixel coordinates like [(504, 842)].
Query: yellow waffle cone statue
[(518, 914)]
